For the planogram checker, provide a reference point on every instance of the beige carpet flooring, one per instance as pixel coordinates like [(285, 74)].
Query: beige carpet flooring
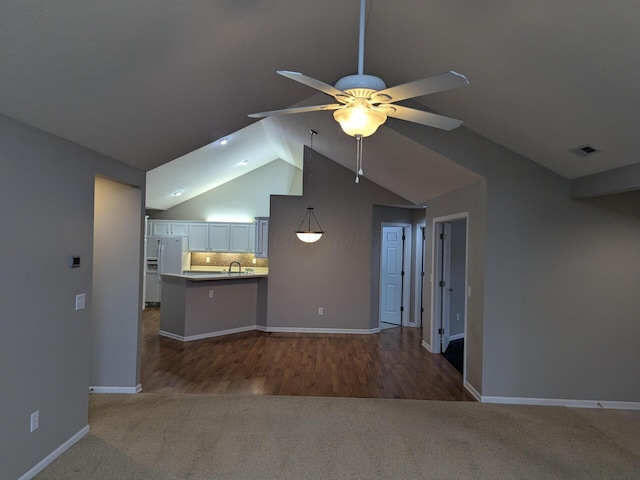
[(149, 436)]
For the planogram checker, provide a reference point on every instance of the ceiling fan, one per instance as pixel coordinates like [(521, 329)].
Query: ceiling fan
[(365, 102)]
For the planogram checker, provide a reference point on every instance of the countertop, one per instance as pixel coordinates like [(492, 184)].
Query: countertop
[(203, 276)]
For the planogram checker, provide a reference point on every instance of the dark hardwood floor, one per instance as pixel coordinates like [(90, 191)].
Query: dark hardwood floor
[(391, 364)]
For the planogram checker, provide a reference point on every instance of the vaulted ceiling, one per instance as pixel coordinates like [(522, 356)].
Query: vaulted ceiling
[(147, 82)]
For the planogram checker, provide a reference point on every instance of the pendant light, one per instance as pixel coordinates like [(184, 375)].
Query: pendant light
[(307, 232)]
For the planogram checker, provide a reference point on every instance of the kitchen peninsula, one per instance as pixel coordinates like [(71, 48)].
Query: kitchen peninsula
[(202, 305)]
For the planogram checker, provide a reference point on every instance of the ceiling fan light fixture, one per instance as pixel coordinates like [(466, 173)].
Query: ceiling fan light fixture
[(359, 119)]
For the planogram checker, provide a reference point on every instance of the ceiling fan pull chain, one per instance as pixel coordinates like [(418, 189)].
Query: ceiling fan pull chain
[(358, 157)]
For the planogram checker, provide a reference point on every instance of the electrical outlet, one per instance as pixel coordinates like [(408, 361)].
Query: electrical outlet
[(253, 260), (35, 420), (457, 316), (207, 259), (210, 293), (320, 311), (80, 301)]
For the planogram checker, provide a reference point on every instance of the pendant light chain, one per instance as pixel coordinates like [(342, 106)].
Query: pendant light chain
[(312, 133)]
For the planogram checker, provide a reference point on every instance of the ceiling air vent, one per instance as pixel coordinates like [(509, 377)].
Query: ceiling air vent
[(584, 151)]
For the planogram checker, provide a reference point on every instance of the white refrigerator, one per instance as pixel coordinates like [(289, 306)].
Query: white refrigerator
[(164, 255)]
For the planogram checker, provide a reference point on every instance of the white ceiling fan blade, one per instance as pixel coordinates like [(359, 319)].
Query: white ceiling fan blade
[(425, 86), (424, 118), (286, 111), (312, 82)]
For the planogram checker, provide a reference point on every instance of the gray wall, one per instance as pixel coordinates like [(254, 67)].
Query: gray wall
[(472, 200), (246, 197), (561, 278), (335, 272), (47, 191), (116, 313)]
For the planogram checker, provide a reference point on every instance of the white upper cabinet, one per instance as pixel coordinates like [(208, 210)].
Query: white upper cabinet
[(160, 228), (198, 237), (262, 237), (180, 229), (208, 236), (240, 237), (166, 228), (219, 237)]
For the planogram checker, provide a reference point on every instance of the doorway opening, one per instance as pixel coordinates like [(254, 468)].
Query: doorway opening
[(395, 275), (449, 288)]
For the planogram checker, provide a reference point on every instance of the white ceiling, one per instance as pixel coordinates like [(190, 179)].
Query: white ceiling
[(147, 82)]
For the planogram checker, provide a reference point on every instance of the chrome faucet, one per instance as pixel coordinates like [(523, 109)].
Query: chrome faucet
[(237, 263)]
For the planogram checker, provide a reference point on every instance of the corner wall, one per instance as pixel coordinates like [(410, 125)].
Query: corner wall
[(335, 272), (560, 280), (47, 192)]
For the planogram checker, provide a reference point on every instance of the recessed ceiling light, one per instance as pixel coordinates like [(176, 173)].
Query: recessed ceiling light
[(243, 163), (177, 193), (224, 141)]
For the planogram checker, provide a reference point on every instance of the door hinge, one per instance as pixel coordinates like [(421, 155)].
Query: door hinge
[(441, 331), (421, 310), (442, 283), (442, 236), (402, 309), (402, 273), (403, 237)]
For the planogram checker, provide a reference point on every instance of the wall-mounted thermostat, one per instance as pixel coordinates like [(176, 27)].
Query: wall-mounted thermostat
[(74, 262)]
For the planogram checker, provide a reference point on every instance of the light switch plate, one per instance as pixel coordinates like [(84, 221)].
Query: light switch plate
[(80, 301)]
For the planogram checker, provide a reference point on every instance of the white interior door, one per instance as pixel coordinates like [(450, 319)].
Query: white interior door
[(445, 286), (391, 275)]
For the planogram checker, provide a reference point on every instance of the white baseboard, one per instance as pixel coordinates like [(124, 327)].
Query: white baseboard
[(474, 393), (347, 331), (426, 346), (49, 459), (560, 402), (456, 337), (202, 336), (127, 390)]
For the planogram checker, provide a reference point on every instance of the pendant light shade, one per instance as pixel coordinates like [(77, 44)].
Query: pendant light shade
[(311, 233), (310, 230)]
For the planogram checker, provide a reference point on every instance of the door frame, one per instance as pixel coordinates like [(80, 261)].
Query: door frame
[(435, 278), (406, 279), (418, 277)]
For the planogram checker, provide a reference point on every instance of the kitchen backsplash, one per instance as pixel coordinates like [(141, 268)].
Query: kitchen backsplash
[(199, 259)]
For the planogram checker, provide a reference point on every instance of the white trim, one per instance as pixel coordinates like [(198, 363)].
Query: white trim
[(433, 330), (474, 393), (559, 402), (418, 280), (347, 331), (127, 390), (202, 336), (49, 459), (426, 346), (456, 337)]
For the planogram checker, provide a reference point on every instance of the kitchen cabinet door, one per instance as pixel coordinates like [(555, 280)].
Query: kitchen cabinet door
[(180, 229), (219, 237), (198, 237), (161, 228), (262, 237), (240, 237)]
